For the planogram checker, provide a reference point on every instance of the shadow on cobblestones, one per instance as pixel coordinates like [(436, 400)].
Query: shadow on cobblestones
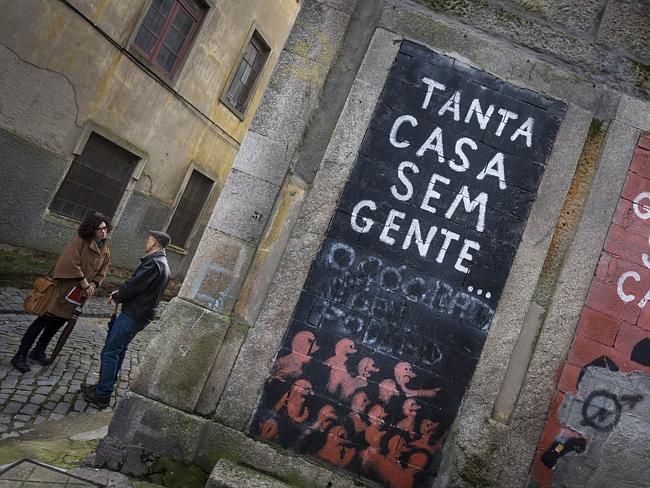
[(53, 392)]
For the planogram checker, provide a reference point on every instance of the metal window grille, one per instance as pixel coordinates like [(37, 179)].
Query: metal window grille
[(189, 208), (96, 180)]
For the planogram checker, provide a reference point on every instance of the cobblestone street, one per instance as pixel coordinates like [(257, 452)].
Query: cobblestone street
[(53, 392)]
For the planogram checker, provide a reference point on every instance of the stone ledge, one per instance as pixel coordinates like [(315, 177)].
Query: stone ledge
[(227, 474), (178, 440)]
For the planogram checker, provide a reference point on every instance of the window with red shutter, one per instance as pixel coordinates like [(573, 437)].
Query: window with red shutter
[(167, 31)]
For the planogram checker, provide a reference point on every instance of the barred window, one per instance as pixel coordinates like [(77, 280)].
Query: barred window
[(189, 208), (96, 179)]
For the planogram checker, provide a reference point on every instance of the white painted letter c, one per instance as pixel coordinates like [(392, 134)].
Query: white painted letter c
[(619, 289)]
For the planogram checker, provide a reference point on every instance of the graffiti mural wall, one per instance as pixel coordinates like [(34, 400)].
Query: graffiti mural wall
[(393, 316), (602, 403)]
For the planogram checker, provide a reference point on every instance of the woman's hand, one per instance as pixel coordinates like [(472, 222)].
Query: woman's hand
[(90, 291)]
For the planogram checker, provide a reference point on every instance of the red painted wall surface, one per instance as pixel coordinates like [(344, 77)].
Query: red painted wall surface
[(614, 327)]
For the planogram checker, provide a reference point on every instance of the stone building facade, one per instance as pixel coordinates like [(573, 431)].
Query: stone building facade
[(128, 108), (427, 266)]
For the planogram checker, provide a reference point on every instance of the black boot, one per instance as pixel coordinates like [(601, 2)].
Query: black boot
[(39, 357), (91, 396), (19, 361)]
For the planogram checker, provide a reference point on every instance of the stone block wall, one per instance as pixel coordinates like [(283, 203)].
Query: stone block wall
[(605, 41), (601, 407)]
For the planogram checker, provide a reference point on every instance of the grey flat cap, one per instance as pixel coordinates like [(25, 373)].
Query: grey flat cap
[(161, 237)]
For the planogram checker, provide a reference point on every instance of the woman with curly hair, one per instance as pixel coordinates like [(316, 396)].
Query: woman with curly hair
[(84, 264)]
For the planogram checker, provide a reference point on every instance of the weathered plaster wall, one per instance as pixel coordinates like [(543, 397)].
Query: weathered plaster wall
[(66, 73)]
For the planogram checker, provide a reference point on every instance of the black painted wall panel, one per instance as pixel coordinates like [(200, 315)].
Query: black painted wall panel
[(398, 302)]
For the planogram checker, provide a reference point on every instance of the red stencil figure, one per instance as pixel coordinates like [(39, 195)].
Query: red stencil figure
[(289, 367), (373, 434), (404, 374), (294, 401), (388, 467), (426, 441), (269, 429), (338, 364), (350, 384), (359, 405), (337, 449), (410, 409), (387, 390)]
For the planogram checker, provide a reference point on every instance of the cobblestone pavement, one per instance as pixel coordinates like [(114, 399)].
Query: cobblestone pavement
[(11, 301), (53, 392)]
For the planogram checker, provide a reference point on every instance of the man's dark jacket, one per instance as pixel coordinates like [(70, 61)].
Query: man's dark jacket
[(142, 293)]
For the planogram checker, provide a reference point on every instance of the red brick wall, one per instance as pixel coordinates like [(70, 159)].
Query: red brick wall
[(615, 318)]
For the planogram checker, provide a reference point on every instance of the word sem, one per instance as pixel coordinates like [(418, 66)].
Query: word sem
[(462, 247)]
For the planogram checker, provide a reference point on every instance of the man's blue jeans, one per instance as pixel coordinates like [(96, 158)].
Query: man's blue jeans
[(120, 335)]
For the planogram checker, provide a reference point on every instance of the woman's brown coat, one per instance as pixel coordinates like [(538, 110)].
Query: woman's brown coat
[(80, 259)]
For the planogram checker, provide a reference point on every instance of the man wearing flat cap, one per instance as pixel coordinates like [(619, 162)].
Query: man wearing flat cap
[(139, 297)]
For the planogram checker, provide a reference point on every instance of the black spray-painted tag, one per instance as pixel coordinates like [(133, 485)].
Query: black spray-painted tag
[(398, 302)]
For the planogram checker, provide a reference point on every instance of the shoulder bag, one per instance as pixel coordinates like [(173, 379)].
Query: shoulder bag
[(40, 296)]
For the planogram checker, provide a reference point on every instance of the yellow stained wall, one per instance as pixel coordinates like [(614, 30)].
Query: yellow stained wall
[(113, 91)]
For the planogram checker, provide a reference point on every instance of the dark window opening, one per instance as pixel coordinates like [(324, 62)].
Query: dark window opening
[(189, 208), (96, 180), (167, 31), (241, 86)]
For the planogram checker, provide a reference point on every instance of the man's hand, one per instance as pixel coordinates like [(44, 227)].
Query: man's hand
[(110, 297)]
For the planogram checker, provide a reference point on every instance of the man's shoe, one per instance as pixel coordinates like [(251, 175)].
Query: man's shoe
[(39, 357), (91, 396), (19, 361)]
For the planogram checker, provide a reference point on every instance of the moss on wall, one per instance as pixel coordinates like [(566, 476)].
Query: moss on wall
[(453, 7), (18, 269), (473, 473), (571, 212), (174, 474)]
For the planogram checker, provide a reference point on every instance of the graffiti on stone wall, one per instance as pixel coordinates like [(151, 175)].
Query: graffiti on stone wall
[(398, 302), (604, 409)]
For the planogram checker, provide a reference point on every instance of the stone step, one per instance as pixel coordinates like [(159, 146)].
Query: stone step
[(227, 474)]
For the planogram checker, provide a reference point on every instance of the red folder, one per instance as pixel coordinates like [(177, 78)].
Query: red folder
[(74, 296)]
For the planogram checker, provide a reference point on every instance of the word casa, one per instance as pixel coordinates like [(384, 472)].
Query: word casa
[(642, 211), (475, 114), (413, 232)]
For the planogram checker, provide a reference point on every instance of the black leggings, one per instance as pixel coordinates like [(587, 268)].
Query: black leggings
[(49, 325)]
